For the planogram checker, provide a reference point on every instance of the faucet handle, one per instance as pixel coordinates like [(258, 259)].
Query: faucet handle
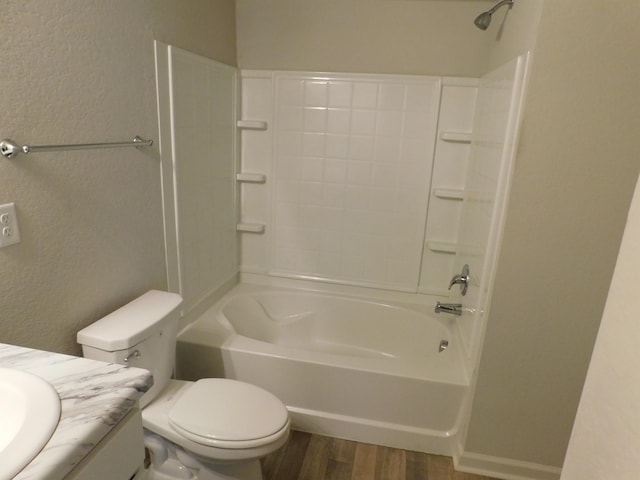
[(461, 279)]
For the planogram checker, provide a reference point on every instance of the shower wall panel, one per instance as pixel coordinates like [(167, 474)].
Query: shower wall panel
[(487, 189), (455, 126), (197, 110), (351, 174), (353, 157), (256, 151)]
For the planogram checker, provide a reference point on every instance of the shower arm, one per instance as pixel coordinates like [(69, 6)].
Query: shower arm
[(493, 9)]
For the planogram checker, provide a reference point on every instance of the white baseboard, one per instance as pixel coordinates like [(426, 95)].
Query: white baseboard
[(505, 468)]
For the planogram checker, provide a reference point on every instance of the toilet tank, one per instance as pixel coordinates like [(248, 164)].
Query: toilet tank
[(140, 334)]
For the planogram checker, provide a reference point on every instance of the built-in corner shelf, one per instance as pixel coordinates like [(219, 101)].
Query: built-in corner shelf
[(449, 193), (252, 124), (442, 247), (456, 137), (250, 227), (251, 177)]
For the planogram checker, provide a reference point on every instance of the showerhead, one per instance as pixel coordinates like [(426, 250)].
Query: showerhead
[(483, 20)]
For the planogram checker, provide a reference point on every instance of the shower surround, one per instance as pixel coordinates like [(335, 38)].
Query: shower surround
[(363, 186)]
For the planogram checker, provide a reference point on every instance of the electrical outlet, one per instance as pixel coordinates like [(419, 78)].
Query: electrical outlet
[(9, 232)]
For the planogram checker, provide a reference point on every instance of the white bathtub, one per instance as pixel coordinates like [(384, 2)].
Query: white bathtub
[(345, 367)]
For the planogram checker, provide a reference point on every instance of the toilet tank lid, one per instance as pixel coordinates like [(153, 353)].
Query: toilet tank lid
[(130, 324)]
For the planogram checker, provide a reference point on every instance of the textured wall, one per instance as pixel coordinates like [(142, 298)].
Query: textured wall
[(434, 37), (91, 221)]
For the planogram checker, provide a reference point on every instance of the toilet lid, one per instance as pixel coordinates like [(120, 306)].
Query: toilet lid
[(223, 410)]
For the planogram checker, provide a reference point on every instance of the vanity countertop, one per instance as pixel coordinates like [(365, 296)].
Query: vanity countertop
[(94, 397)]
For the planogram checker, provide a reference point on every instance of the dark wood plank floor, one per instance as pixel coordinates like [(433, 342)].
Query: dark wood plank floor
[(315, 457)]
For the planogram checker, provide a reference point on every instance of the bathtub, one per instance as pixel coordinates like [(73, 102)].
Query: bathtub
[(347, 367)]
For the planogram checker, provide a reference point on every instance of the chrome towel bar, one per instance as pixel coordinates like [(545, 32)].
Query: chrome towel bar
[(9, 148)]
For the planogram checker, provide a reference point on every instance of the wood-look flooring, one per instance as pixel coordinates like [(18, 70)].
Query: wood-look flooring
[(315, 457)]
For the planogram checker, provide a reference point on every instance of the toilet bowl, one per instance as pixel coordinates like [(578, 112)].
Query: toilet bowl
[(211, 429), (216, 428)]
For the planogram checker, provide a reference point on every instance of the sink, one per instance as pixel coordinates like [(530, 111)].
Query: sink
[(29, 413)]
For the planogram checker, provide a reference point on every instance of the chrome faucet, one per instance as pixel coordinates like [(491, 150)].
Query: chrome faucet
[(452, 308)]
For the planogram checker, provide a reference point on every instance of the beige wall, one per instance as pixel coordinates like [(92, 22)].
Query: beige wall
[(362, 36), (575, 172), (91, 221), (513, 31)]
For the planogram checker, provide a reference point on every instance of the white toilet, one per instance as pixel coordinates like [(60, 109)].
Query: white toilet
[(212, 429)]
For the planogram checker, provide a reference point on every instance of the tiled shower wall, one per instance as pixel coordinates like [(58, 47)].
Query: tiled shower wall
[(348, 161), (351, 180)]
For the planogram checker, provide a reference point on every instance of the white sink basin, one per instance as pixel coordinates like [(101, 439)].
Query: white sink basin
[(29, 413)]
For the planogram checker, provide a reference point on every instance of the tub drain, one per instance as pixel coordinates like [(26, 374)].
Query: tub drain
[(443, 345)]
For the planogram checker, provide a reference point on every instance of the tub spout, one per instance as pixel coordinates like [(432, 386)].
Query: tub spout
[(453, 308)]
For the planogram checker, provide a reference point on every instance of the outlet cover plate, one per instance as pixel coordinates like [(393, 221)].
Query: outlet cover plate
[(9, 232)]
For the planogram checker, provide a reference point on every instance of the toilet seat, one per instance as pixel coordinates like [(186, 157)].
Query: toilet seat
[(155, 419), (225, 413)]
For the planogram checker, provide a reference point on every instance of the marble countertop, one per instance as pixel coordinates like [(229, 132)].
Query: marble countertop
[(94, 397)]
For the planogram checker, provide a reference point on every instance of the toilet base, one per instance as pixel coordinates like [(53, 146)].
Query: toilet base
[(171, 462)]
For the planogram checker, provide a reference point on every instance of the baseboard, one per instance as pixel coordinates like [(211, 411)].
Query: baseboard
[(505, 468)]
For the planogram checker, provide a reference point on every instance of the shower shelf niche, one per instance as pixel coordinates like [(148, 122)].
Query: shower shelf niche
[(449, 193), (250, 227), (456, 137), (252, 124), (442, 247), (251, 177)]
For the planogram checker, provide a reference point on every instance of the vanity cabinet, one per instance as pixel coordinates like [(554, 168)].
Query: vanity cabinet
[(118, 456)]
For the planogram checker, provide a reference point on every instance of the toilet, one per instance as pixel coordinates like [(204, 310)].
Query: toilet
[(211, 429)]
